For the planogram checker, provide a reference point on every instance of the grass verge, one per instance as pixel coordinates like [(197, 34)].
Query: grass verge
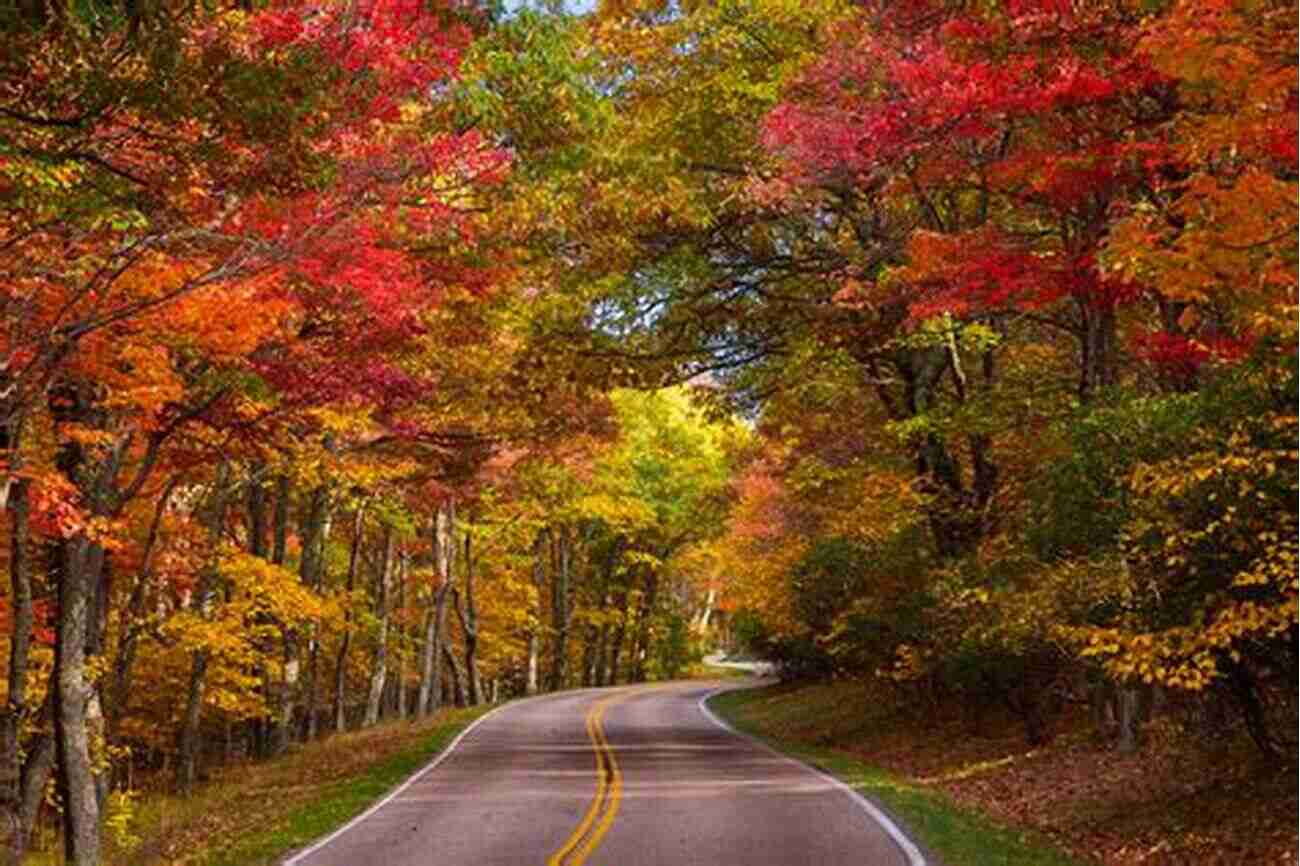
[(255, 814), (957, 836)]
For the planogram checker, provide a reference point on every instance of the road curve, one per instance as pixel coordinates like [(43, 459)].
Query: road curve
[(632, 776)]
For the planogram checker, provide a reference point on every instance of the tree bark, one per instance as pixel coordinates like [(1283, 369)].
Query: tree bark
[(79, 570), (20, 641), (280, 521), (532, 683), (590, 635), (267, 737), (187, 751), (641, 642), (457, 681), (341, 661), (310, 572), (379, 670), (600, 671), (561, 559), (311, 706), (958, 516), (1126, 713), (96, 632), (291, 664), (701, 621), (76, 571), (595, 664), (201, 601), (72, 698), (467, 616), (619, 634), (133, 619), (257, 516), (430, 694), (1097, 350), (36, 772), (532, 675), (401, 705), (1245, 691)]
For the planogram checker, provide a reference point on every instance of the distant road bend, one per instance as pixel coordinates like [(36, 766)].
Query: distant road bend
[(629, 776)]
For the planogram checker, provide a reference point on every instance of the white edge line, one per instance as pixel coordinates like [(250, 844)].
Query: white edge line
[(906, 845), (438, 759)]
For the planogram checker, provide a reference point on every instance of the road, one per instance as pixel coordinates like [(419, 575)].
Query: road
[(630, 776)]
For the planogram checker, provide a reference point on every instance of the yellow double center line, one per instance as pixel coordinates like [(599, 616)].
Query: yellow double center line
[(609, 790)]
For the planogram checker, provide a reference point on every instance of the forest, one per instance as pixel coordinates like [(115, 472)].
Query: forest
[(364, 357)]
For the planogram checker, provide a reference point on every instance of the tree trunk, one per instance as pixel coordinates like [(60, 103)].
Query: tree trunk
[(201, 602), (379, 671), (561, 559), (280, 521), (436, 645), (430, 694), (77, 573), (532, 680), (267, 730), (341, 661), (957, 517), (310, 566), (1245, 691), (1126, 712), (400, 703), (467, 616), (590, 635), (600, 671), (641, 643), (532, 683), (132, 619), (72, 697), (595, 667), (1101, 707), (700, 623), (20, 641), (457, 681), (311, 708), (96, 632), (290, 670), (257, 516), (291, 664), (619, 634), (1097, 362), (188, 748), (36, 772)]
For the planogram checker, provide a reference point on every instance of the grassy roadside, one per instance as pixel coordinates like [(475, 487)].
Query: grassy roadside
[(956, 836), (253, 815), (976, 793)]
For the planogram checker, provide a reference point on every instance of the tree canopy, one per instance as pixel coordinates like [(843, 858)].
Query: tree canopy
[(363, 356)]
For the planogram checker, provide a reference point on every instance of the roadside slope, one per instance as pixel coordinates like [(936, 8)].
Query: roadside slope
[(989, 799), (254, 814)]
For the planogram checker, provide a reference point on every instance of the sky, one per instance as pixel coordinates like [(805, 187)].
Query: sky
[(573, 7)]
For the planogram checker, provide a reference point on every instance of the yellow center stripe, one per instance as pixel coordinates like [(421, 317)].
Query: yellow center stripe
[(612, 797), (609, 790)]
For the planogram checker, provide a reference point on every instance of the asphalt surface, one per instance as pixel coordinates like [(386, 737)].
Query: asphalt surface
[(630, 776)]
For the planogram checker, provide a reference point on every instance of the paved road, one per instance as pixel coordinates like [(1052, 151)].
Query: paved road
[(757, 668), (631, 776)]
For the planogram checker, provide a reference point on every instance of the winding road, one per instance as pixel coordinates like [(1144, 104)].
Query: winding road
[(628, 776)]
